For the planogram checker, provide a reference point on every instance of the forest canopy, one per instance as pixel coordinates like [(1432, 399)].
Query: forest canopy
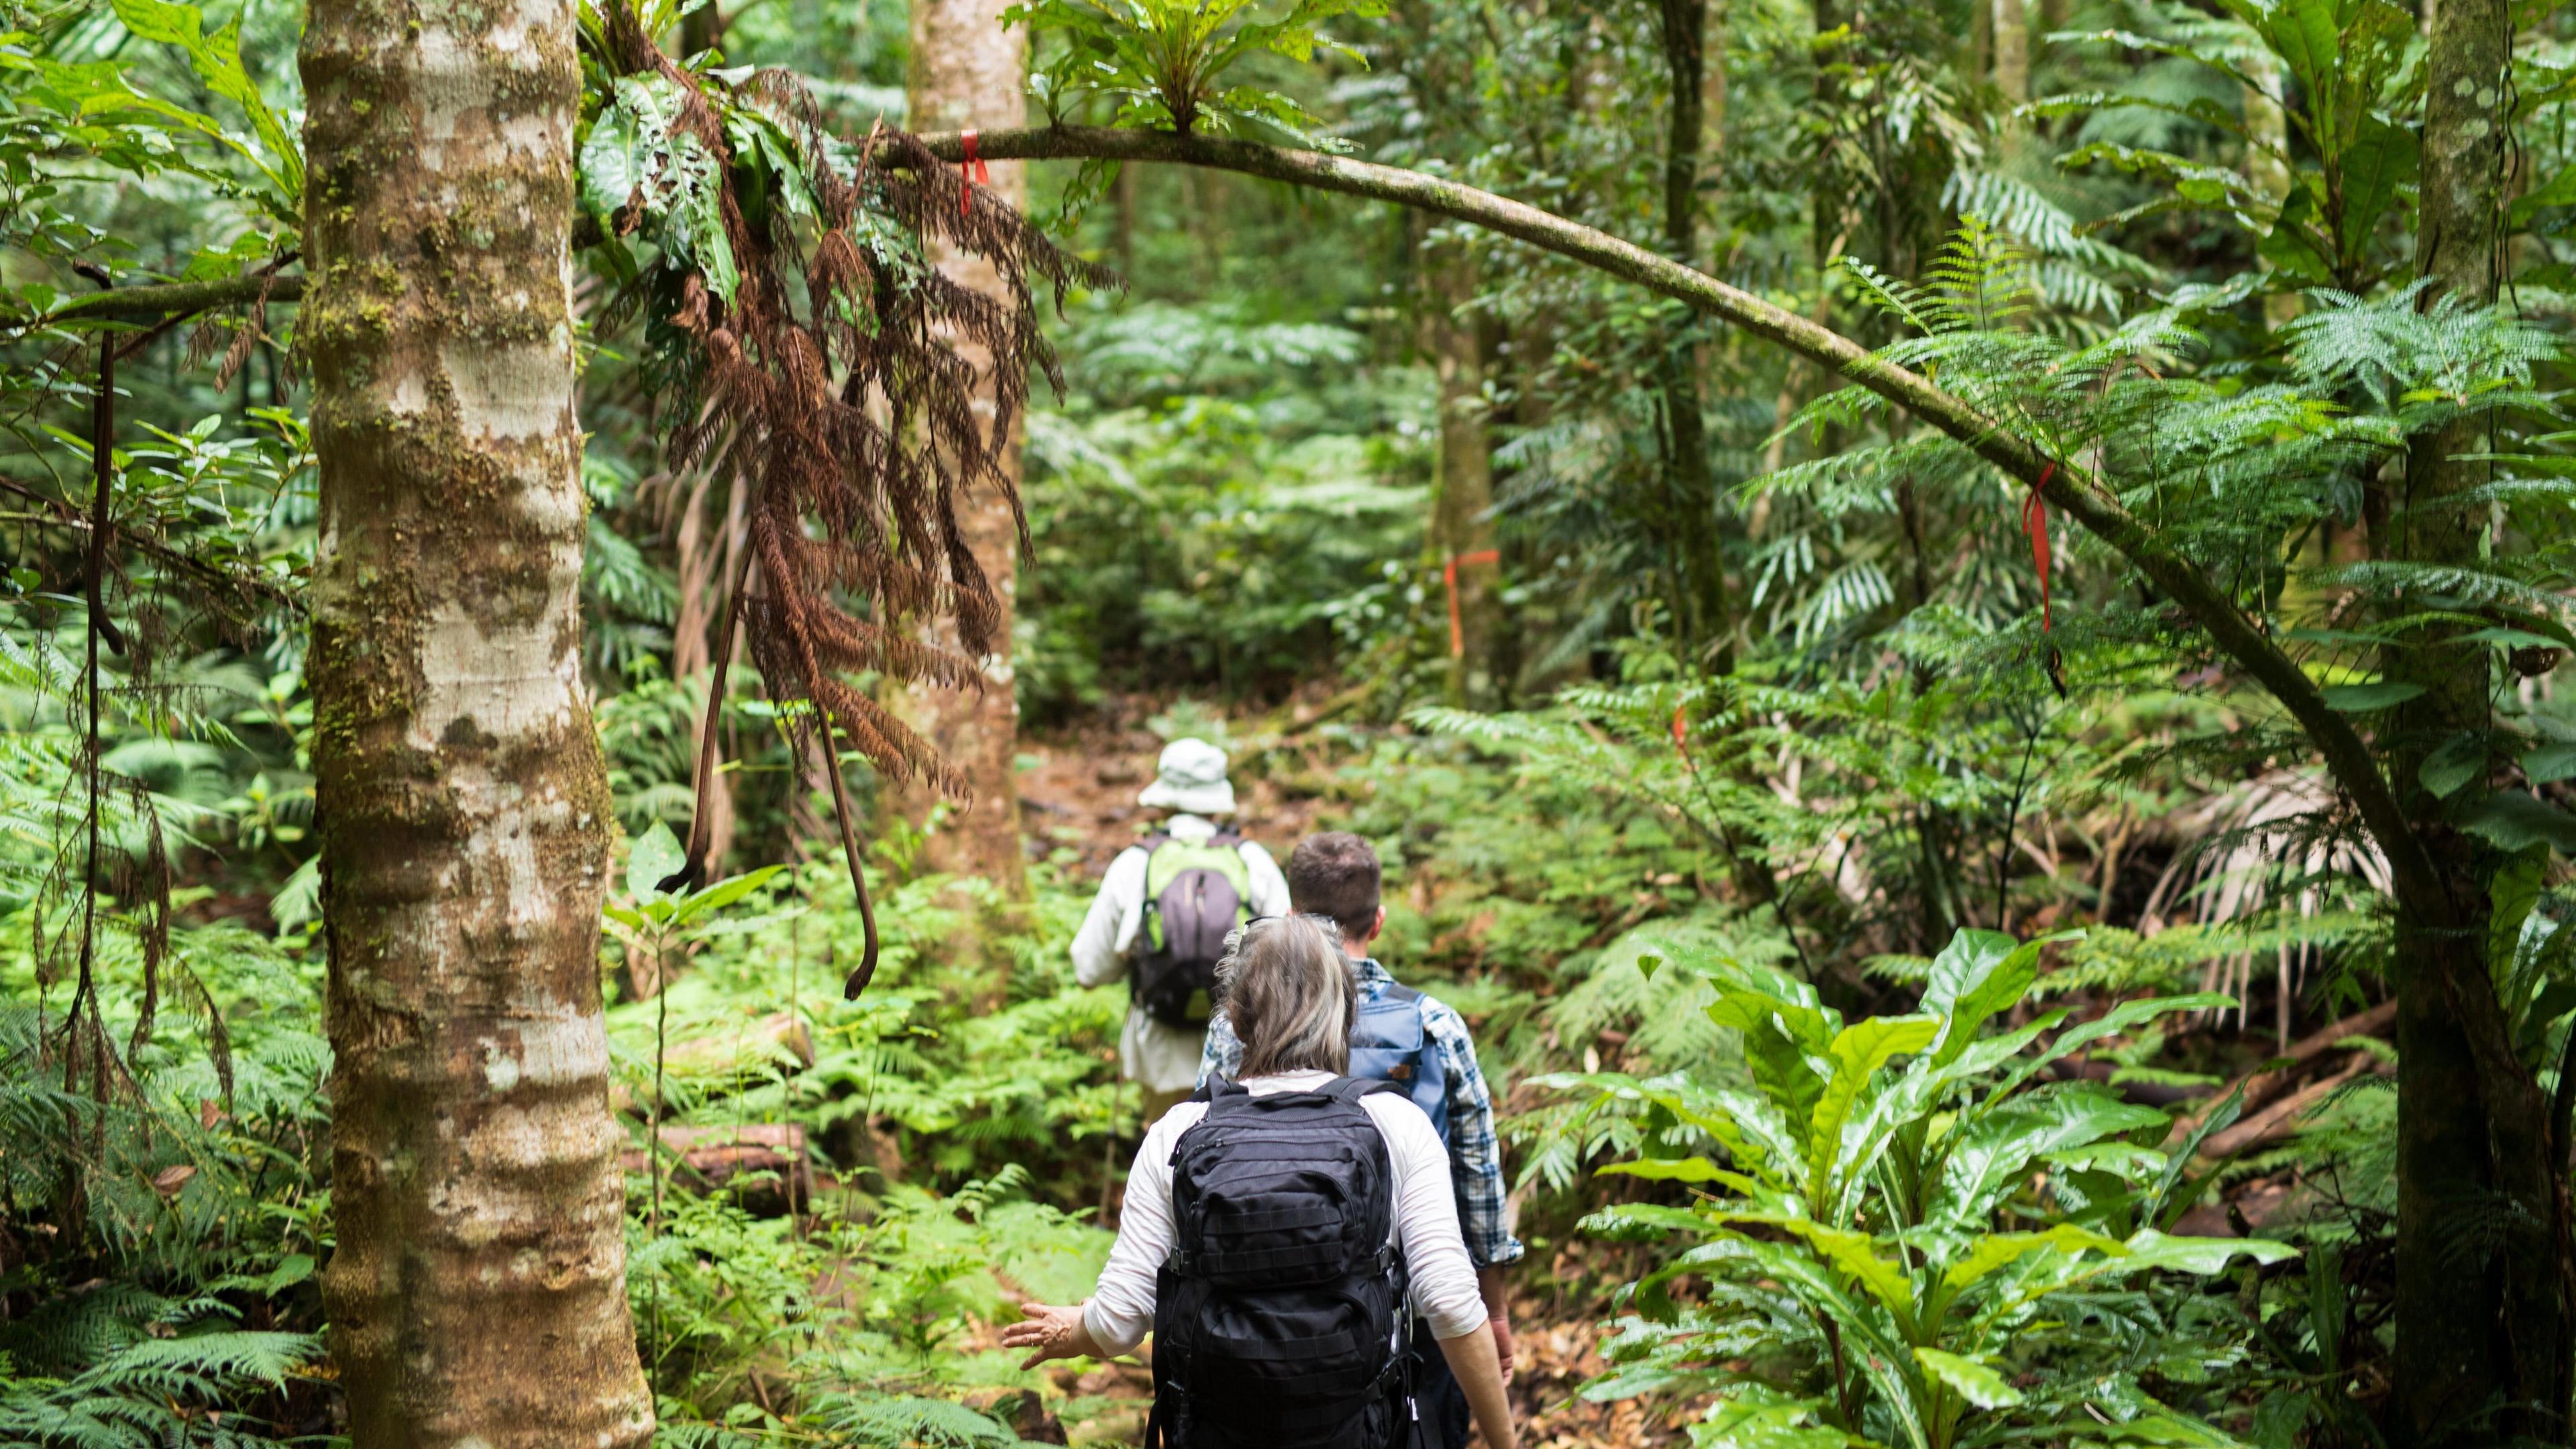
[(1946, 618)]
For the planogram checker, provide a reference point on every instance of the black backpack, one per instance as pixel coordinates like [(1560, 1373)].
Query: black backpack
[(1194, 897), (1279, 1316)]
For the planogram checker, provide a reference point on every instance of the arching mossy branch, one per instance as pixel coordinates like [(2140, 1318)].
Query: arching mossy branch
[(2081, 495), (2071, 488)]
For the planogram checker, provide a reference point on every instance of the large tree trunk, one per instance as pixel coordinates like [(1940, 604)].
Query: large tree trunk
[(1447, 282), (1462, 532), (967, 71), (478, 1293), (2012, 51), (2267, 155), (1703, 619), (1706, 614), (2481, 1215)]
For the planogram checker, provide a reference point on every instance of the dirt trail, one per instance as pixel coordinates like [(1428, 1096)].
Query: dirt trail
[(1078, 793), (1078, 790)]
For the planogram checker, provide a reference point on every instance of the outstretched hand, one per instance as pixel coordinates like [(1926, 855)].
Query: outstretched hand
[(1049, 1331)]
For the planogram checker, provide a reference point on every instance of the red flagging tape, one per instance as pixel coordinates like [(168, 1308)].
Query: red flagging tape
[(970, 170), (1449, 576), (2034, 522)]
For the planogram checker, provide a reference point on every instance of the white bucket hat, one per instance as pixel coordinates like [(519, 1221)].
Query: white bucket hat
[(1190, 777)]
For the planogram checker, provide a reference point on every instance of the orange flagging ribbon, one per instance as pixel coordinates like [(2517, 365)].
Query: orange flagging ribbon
[(970, 170), (2034, 522), (1449, 576)]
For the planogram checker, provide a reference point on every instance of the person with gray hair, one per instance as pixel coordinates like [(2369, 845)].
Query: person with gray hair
[(1282, 1233)]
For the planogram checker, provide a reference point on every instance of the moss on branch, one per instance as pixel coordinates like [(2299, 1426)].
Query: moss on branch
[(2076, 491)]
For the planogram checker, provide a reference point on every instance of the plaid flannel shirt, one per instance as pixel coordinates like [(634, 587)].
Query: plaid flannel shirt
[(1475, 1153)]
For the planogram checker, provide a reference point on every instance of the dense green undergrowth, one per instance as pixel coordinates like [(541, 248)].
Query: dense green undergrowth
[(1861, 937)]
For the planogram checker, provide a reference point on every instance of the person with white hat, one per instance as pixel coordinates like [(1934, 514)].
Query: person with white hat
[(1162, 916)]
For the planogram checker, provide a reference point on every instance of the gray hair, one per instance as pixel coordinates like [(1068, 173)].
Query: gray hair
[(1289, 995)]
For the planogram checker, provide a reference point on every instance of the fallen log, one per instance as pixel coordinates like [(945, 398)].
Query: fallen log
[(2281, 1118), (713, 1065), (738, 1155), (2263, 1085), (778, 1040)]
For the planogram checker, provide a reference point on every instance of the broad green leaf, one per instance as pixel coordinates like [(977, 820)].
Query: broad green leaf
[(1859, 1050), (1817, 1289), (655, 856), (1672, 1169), (2363, 698), (1978, 975), (2290, 247), (2304, 34), (2513, 820), (1994, 1151), (2149, 1248), (1756, 1418), (1966, 969), (2462, 758), (1854, 1255), (1994, 1250), (725, 892), (217, 61), (615, 159), (1640, 1219), (2381, 160), (2511, 897), (1971, 1380), (2117, 1020), (292, 1269), (2550, 763), (2559, 190), (697, 215), (1779, 1039), (2169, 1429), (2512, 638)]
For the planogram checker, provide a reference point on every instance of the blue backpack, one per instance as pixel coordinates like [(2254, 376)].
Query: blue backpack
[(1389, 1045)]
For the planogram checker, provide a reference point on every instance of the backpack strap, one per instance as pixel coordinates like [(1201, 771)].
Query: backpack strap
[(1219, 1094), (1227, 835), (1351, 1089), (1399, 992)]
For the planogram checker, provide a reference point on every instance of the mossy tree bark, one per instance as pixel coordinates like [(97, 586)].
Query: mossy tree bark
[(478, 1292), (2012, 50), (1457, 340), (2483, 1257), (1462, 526), (1705, 610), (969, 72), (1704, 619)]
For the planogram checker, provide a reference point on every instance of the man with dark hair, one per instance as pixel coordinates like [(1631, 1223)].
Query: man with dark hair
[(1421, 1044)]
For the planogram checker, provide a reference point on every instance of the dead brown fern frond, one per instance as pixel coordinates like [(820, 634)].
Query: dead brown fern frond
[(802, 339)]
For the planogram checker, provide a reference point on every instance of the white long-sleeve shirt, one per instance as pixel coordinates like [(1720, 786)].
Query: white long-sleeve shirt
[(1164, 1058), (1442, 1283)]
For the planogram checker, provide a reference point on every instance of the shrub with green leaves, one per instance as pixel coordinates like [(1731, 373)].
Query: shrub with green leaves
[(1905, 1232)]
